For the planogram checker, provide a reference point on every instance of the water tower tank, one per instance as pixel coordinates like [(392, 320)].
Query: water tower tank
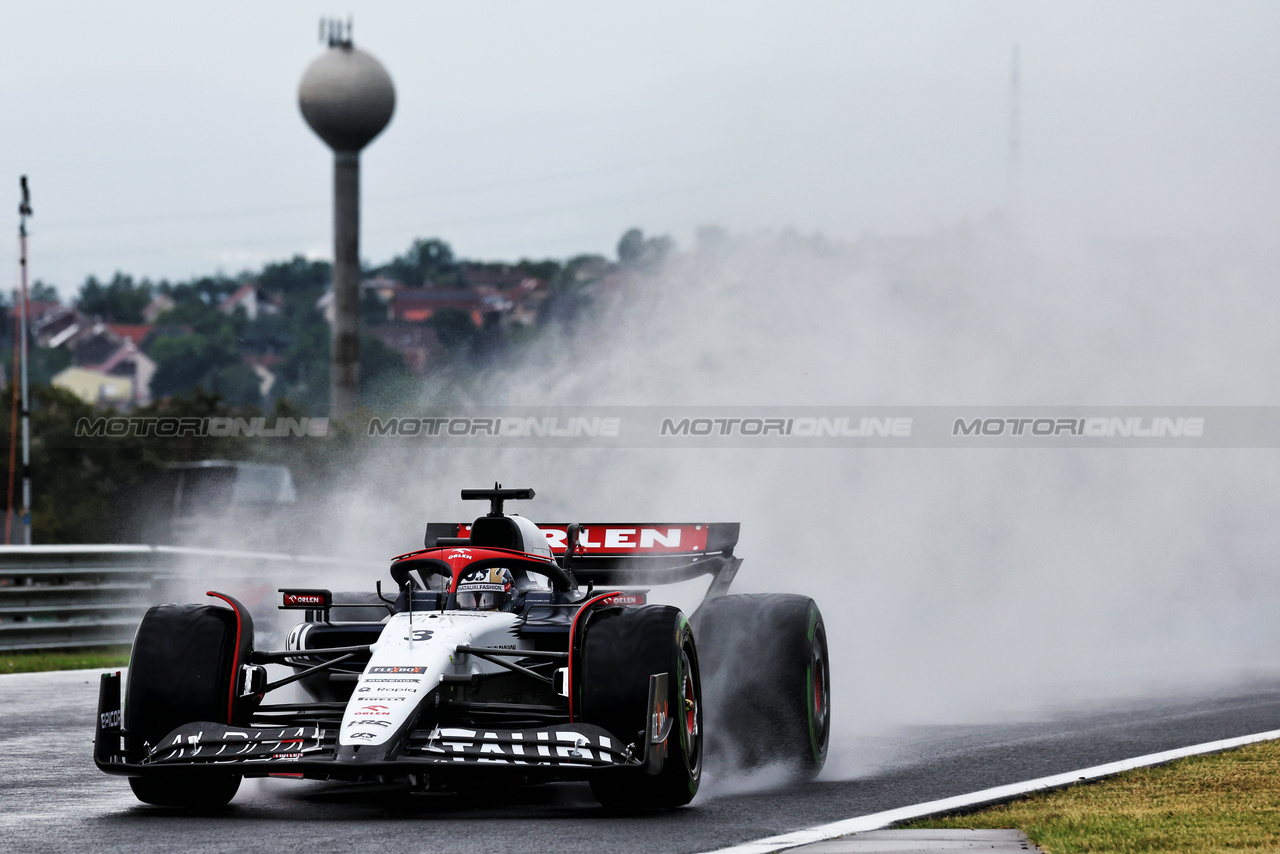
[(347, 97)]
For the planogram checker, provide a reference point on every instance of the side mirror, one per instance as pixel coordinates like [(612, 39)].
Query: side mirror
[(571, 544)]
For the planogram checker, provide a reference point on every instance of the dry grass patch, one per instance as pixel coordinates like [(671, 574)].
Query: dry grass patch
[(1225, 802)]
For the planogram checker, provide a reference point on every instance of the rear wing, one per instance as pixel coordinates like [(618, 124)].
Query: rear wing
[(631, 552)]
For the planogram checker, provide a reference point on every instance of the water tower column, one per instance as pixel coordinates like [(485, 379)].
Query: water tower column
[(344, 386), (347, 98)]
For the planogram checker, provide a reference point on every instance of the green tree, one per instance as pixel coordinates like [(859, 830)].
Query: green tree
[(634, 250), (211, 362), (120, 301), (426, 261), (41, 292)]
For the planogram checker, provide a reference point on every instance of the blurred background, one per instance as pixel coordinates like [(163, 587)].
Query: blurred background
[(728, 204)]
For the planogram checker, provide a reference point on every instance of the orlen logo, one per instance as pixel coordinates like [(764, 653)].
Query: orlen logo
[(625, 599), (374, 710), (303, 599), (619, 539)]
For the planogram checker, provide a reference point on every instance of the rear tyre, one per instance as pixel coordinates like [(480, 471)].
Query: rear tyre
[(181, 670), (621, 648), (767, 677)]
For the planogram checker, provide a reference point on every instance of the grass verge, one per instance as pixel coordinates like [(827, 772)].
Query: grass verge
[(65, 659), (1216, 803)]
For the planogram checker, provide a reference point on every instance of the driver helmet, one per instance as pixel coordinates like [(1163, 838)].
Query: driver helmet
[(485, 589)]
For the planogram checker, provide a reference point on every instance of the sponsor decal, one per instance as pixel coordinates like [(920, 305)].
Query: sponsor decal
[(414, 681), (625, 599), (386, 690), (364, 735), (298, 599), (398, 669), (658, 720), (369, 722), (109, 720), (631, 539), (255, 744), (373, 710), (492, 580), (540, 747)]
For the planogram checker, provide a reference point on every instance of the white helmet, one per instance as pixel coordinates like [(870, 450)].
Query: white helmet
[(485, 589)]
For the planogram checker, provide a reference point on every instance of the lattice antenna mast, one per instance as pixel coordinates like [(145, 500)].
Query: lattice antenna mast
[(24, 211)]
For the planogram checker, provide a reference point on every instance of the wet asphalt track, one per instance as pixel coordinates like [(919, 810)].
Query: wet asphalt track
[(53, 799)]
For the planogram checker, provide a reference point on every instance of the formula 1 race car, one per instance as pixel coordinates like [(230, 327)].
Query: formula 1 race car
[(494, 664)]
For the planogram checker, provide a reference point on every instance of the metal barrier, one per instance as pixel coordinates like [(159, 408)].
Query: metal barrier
[(63, 597)]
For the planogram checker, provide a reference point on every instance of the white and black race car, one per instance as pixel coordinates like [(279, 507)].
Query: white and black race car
[(520, 652)]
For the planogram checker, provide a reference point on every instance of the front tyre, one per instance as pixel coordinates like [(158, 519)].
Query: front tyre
[(621, 649), (181, 670), (195, 792)]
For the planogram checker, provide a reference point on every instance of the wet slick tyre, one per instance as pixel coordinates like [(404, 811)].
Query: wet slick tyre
[(767, 680), (180, 671), (621, 648)]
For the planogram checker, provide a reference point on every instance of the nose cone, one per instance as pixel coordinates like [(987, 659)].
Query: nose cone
[(347, 97)]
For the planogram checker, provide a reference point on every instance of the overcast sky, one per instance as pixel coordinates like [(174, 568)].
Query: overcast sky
[(166, 141)]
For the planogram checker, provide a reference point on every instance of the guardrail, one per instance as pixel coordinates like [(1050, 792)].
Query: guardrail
[(63, 597)]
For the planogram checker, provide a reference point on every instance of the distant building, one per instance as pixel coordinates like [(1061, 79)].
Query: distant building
[(416, 343), (253, 299), (157, 307), (138, 333), (96, 387), (94, 344), (132, 363), (102, 351), (56, 326), (384, 287), (417, 305)]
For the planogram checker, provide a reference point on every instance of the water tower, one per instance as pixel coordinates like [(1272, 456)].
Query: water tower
[(347, 98)]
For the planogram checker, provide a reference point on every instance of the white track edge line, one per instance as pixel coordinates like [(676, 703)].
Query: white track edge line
[(880, 820)]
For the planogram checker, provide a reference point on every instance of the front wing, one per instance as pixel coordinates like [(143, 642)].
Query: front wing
[(563, 751)]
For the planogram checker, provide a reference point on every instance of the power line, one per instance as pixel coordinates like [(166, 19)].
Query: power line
[(440, 226), (322, 205)]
